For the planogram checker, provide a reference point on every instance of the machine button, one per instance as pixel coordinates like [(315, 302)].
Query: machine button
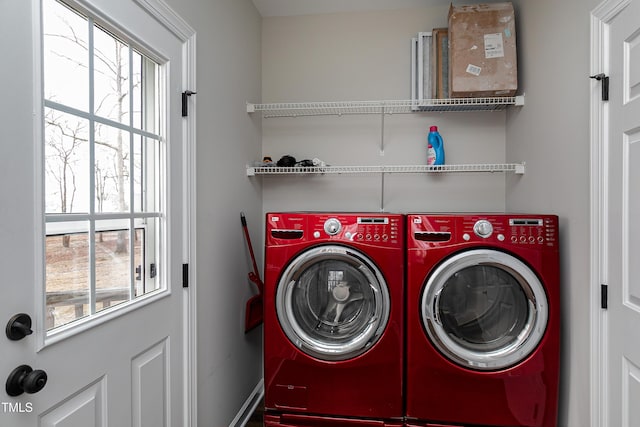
[(501, 237), (466, 237), (316, 234), (483, 228), (332, 226)]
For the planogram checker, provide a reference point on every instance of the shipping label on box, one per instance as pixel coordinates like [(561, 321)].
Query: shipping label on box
[(482, 50)]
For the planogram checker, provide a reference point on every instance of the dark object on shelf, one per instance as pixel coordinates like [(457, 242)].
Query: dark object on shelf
[(287, 161), (305, 163)]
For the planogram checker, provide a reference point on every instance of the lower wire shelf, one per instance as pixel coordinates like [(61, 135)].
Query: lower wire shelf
[(516, 168)]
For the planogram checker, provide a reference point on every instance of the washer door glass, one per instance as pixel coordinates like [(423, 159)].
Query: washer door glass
[(332, 302), (484, 309)]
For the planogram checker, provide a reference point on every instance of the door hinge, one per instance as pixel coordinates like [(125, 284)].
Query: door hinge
[(185, 99), (185, 275), (604, 297), (604, 79)]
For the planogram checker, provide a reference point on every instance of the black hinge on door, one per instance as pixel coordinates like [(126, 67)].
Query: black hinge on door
[(604, 79), (604, 297), (185, 275), (185, 99)]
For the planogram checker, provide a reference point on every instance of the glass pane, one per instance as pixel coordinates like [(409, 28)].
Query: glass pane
[(112, 169), (139, 261), (111, 77), (333, 301), (483, 308), (67, 272), (66, 58), (136, 77), (113, 263), (147, 254), (149, 92), (146, 166), (66, 163)]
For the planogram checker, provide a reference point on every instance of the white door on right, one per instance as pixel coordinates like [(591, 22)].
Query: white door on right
[(622, 223)]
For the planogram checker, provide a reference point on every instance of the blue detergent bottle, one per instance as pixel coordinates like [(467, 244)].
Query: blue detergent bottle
[(435, 143)]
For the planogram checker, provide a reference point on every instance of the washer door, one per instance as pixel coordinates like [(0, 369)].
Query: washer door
[(332, 302), (484, 309)]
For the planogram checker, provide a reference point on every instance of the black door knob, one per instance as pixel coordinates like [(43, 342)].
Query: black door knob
[(18, 327), (24, 379)]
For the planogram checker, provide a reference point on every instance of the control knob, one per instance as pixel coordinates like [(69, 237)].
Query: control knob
[(332, 226), (483, 228)]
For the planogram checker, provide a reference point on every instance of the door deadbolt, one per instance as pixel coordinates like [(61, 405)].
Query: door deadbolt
[(24, 379), (18, 327)]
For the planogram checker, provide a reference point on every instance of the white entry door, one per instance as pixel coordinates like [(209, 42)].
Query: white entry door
[(91, 216), (622, 220)]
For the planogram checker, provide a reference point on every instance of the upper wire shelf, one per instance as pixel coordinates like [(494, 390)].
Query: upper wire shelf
[(384, 107), (517, 168)]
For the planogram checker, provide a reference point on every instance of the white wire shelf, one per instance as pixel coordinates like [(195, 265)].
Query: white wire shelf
[(517, 168), (384, 107)]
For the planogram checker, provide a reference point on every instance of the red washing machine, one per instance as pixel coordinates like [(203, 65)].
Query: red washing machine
[(333, 319), (483, 320)]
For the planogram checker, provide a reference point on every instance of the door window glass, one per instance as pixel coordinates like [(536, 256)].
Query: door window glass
[(332, 303), (103, 162), (483, 308)]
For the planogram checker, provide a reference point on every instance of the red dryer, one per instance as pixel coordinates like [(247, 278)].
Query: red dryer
[(483, 320), (333, 319)]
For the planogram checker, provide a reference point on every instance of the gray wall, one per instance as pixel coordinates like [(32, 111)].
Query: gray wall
[(366, 56), (228, 75), (552, 134)]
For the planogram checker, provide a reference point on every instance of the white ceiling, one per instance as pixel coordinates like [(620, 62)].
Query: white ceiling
[(269, 8)]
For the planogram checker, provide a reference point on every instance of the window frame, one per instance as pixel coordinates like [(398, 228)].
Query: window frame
[(159, 252)]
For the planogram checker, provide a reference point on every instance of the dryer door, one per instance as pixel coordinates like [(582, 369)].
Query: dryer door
[(484, 309), (332, 302)]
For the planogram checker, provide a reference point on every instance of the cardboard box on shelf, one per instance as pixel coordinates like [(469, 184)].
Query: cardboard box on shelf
[(482, 50)]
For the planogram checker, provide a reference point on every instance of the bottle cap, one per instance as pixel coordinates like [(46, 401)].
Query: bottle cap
[(433, 129)]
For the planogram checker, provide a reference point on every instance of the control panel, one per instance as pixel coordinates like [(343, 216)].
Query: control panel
[(366, 229), (508, 229), (384, 230)]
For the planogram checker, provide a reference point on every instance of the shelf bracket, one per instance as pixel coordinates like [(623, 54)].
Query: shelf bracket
[(382, 192), (382, 131)]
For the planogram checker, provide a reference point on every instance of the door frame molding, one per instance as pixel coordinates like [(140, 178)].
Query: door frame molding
[(601, 18), (187, 35)]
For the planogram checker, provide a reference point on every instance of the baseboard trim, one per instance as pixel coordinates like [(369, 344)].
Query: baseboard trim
[(249, 405)]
